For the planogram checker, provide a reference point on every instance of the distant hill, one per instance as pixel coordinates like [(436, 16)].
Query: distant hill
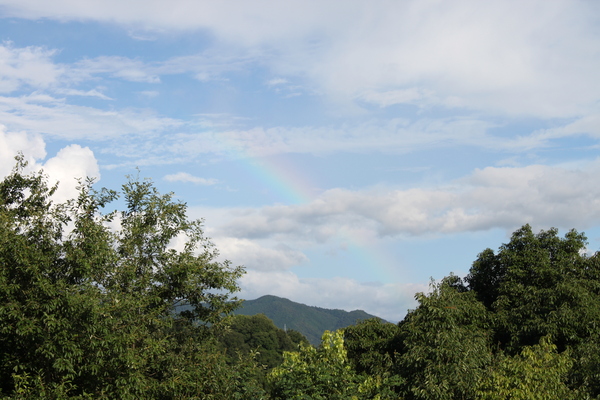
[(308, 320)]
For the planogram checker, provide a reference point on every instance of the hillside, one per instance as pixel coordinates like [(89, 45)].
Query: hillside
[(308, 320)]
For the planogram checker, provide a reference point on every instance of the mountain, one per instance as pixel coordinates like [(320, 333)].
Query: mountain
[(308, 320)]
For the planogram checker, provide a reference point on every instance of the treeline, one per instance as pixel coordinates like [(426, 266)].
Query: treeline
[(90, 307), (524, 324)]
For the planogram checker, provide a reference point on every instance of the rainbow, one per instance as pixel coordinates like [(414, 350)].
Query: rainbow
[(293, 188), (282, 178)]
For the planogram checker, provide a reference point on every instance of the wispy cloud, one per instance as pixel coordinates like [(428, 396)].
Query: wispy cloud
[(45, 114), (84, 93), (27, 66), (497, 57), (185, 177), (121, 67), (276, 81)]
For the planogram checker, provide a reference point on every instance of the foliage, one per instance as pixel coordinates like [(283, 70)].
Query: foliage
[(258, 334), (538, 285), (371, 346), (522, 325), (444, 344), (541, 285), (538, 373), (297, 338), (323, 373), (90, 312)]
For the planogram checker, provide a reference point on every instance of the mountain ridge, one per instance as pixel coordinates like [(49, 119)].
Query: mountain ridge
[(311, 321)]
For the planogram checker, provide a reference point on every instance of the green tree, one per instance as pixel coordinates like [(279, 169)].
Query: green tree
[(297, 338), (537, 373), (91, 312), (323, 373), (538, 285), (444, 344), (371, 346), (257, 333)]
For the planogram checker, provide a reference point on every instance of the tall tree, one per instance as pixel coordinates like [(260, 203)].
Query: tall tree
[(539, 285), (538, 372), (444, 344), (88, 311)]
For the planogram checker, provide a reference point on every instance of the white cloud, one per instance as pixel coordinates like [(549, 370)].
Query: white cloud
[(253, 255), (276, 81), (85, 93), (27, 66), (120, 67), (40, 112), (505, 57), (413, 95), (43, 114), (185, 177), (488, 198), (387, 301), (391, 136), (69, 164), (588, 125), (31, 145), (150, 93)]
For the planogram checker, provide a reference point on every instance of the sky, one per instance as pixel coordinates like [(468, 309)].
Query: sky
[(344, 152)]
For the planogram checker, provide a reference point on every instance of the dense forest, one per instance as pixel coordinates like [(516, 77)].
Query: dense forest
[(88, 310)]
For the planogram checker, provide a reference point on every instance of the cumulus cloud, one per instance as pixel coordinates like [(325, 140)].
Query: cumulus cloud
[(67, 166), (255, 256), (71, 165), (387, 301), (32, 146), (488, 198), (185, 177)]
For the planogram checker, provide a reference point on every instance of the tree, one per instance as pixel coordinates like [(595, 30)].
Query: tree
[(538, 372), (541, 286), (257, 333), (91, 312), (324, 373), (538, 285), (444, 344), (371, 345)]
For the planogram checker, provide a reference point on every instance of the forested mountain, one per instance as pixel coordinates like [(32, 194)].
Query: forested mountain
[(308, 320)]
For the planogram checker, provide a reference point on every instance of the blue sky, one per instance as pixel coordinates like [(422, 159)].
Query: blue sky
[(344, 152)]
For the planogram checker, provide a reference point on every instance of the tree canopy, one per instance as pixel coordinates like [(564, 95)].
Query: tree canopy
[(90, 311)]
